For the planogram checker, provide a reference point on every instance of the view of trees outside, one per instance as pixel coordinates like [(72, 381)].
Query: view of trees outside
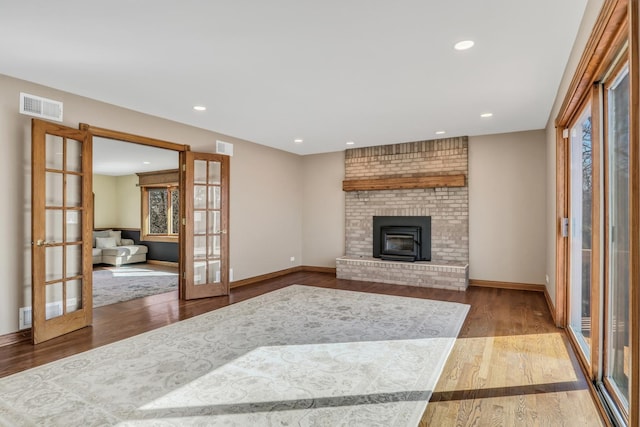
[(587, 204), (160, 200), (619, 226), (175, 211), (158, 208)]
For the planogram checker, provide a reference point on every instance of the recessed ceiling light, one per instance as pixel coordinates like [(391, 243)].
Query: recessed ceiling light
[(440, 132), (485, 115), (350, 143), (463, 45), (146, 163), (199, 107), (298, 141)]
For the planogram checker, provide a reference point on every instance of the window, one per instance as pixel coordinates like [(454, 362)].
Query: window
[(164, 210), (160, 206)]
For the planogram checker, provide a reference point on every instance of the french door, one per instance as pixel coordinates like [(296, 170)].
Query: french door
[(62, 225), (61, 263), (204, 244)]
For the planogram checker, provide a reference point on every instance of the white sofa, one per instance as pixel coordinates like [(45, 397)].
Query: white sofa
[(110, 248)]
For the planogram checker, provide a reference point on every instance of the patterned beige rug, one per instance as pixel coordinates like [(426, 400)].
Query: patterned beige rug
[(127, 282), (299, 356)]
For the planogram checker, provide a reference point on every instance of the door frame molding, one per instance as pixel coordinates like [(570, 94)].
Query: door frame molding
[(151, 142), (135, 139)]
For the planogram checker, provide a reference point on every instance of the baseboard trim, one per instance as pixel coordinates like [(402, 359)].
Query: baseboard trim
[(507, 285), (165, 263), (15, 337), (256, 279), (330, 270), (552, 309), (276, 274)]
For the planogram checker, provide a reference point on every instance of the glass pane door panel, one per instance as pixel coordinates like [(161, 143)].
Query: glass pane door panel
[(74, 226), (74, 156), (74, 190), (214, 197), (214, 173), (618, 351), (54, 189), (54, 295), (200, 222), (74, 295), (54, 226), (581, 230), (213, 222), (213, 271), (200, 247), (200, 273), (74, 260), (53, 262), (200, 197), (200, 172), (54, 153), (214, 246)]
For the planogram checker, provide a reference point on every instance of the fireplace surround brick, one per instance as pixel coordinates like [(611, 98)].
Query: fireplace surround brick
[(447, 206)]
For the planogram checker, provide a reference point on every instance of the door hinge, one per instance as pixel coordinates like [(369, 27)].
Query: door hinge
[(184, 167), (565, 133), (184, 275), (184, 221), (564, 227)]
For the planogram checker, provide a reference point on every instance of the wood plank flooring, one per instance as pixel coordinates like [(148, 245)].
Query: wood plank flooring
[(509, 367)]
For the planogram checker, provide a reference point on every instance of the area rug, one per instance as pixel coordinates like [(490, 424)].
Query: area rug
[(130, 282), (299, 356)]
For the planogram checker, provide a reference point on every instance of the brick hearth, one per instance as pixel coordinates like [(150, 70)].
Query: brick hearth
[(447, 206)]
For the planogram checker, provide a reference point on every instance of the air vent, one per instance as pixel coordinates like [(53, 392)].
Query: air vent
[(53, 309), (225, 148), (38, 106)]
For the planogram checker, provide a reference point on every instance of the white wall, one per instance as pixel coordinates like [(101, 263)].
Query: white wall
[(588, 20), (507, 207), (266, 211), (128, 201), (105, 201), (266, 224), (323, 209), (117, 201)]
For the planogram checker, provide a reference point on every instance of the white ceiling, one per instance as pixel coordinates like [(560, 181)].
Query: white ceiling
[(117, 158), (369, 71)]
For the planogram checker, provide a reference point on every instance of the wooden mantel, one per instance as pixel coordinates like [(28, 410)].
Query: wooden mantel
[(404, 183)]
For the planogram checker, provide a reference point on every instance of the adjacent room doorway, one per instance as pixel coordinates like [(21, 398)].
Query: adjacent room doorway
[(62, 224)]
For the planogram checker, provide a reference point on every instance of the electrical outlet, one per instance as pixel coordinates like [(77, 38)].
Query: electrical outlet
[(292, 259), (546, 276), (231, 274)]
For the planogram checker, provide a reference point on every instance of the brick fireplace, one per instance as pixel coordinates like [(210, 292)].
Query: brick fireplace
[(424, 178)]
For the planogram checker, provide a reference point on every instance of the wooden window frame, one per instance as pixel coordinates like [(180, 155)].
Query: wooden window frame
[(167, 180)]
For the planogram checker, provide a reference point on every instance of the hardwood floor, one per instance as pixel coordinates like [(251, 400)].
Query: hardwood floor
[(509, 367)]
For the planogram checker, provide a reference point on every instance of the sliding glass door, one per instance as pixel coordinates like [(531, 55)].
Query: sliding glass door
[(598, 211), (617, 263), (580, 238)]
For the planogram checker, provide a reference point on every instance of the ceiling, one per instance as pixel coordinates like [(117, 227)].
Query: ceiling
[(117, 158), (327, 72)]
